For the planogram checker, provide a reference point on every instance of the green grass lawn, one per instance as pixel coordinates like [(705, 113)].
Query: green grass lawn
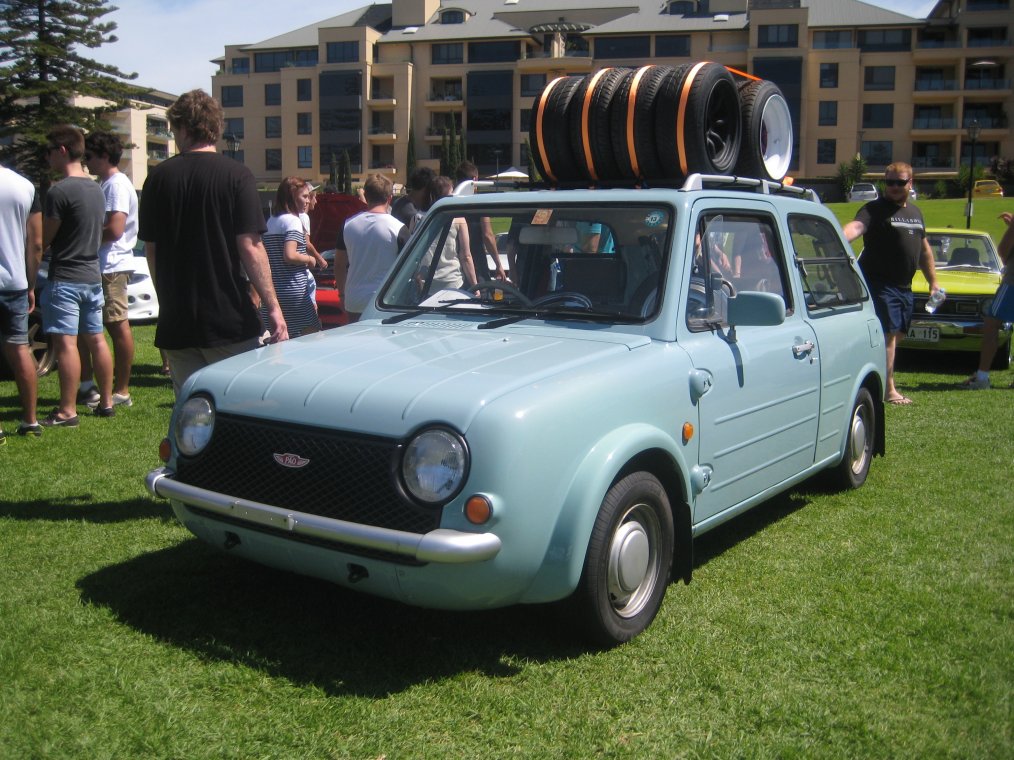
[(876, 623)]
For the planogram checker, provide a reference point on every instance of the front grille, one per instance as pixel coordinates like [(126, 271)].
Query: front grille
[(346, 478), (951, 308)]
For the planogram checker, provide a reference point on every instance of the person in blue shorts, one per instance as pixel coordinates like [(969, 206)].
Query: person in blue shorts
[(1001, 310)]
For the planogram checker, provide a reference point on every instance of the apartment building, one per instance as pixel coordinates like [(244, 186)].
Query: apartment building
[(858, 78)]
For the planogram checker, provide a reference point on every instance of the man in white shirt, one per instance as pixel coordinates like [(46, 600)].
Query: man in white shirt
[(367, 247), (116, 259)]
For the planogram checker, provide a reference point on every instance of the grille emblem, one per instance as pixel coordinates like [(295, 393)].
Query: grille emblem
[(291, 460)]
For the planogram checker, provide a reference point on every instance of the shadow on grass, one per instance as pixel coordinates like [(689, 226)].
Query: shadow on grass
[(311, 632), (84, 507), (713, 543)]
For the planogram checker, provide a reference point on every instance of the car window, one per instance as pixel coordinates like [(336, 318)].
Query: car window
[(827, 268), (965, 251)]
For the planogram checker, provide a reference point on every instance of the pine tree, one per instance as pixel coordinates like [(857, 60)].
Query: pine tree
[(410, 160), (445, 148), (454, 146), (43, 68), (346, 173)]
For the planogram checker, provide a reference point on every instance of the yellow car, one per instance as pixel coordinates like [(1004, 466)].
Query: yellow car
[(987, 188), (968, 269)]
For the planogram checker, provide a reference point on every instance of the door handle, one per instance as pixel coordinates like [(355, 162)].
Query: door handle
[(802, 349)]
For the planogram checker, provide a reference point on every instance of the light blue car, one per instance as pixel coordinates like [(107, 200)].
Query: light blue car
[(561, 437)]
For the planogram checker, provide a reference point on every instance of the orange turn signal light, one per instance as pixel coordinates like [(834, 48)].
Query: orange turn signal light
[(164, 450), (688, 432), (478, 510)]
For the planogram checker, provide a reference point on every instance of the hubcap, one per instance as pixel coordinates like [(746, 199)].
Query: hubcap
[(633, 561), (858, 440), (776, 136)]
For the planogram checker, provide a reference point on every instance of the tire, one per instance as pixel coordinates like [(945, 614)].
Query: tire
[(626, 570), (632, 123), (41, 347), (766, 149), (589, 122), (698, 123), (860, 440), (1002, 358), (549, 136)]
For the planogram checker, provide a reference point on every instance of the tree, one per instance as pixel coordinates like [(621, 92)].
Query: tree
[(444, 154), (345, 173), (851, 172), (43, 68), (410, 160)]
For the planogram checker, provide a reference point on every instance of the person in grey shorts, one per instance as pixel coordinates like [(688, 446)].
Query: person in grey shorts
[(74, 213), (20, 254)]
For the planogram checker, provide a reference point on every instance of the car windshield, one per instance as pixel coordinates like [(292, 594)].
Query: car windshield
[(963, 251), (592, 261)]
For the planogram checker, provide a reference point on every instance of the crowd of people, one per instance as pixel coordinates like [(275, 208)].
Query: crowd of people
[(228, 280)]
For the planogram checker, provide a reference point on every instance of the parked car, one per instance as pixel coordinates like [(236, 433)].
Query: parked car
[(559, 439), (863, 191), (142, 301), (968, 269), (329, 301), (987, 188)]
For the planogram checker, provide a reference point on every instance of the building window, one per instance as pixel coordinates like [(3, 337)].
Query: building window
[(827, 113), (877, 152), (452, 17), (884, 40), (828, 75), (832, 40), (304, 157), (826, 151), (878, 116), (273, 94), (492, 52), (532, 84), (272, 126), (879, 78), (343, 52), (672, 45), (623, 47), (276, 60), (234, 126), (778, 35), (232, 96), (304, 89), (304, 123), (447, 52), (680, 8), (240, 65), (273, 159)]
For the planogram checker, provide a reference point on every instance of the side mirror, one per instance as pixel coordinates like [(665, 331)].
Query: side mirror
[(752, 308)]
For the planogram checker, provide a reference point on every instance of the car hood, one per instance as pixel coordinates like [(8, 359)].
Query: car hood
[(960, 282), (389, 379)]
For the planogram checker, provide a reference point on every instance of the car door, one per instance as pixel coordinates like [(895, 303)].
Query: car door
[(757, 389)]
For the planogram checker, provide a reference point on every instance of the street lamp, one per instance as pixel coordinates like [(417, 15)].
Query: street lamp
[(496, 153), (233, 143), (973, 134)]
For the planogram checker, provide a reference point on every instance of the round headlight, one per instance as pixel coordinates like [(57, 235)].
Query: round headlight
[(985, 305), (434, 465), (194, 425)]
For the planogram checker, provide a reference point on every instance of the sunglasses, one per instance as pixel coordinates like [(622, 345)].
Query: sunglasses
[(896, 182)]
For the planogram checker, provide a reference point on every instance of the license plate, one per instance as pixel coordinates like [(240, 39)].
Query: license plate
[(928, 334)]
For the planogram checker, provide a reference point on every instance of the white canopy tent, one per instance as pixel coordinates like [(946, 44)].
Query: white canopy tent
[(511, 172)]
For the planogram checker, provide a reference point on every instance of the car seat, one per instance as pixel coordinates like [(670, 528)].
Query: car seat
[(964, 257)]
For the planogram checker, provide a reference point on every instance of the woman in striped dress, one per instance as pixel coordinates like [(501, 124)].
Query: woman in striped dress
[(286, 246)]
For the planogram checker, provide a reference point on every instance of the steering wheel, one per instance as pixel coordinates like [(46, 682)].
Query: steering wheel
[(576, 299), (506, 287)]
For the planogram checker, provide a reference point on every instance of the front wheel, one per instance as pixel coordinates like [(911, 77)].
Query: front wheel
[(851, 472), (629, 558)]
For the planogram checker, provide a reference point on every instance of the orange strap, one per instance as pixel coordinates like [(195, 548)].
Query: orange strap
[(631, 109), (585, 109), (681, 115), (743, 74), (543, 99)]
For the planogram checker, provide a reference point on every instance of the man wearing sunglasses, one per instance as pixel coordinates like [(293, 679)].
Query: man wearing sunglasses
[(894, 244)]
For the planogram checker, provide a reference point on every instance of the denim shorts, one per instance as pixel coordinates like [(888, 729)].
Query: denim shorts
[(14, 316), (893, 306), (72, 308)]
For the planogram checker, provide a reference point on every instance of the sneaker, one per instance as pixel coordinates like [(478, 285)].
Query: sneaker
[(54, 420), (88, 396), (975, 384), (33, 429), (3, 437), (108, 411), (119, 399)]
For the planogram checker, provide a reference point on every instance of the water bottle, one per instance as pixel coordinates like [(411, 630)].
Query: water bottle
[(934, 301)]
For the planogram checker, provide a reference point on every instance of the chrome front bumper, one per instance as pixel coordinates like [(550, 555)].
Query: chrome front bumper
[(955, 334), (444, 546)]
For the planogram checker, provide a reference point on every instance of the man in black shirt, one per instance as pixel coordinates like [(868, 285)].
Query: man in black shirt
[(894, 245)]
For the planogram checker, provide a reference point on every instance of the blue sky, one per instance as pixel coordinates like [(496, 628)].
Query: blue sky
[(169, 43)]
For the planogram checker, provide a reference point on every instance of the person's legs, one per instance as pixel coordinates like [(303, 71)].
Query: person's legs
[(115, 319), (891, 393), (14, 332), (92, 301), (184, 362), (68, 366), (894, 309), (61, 316)]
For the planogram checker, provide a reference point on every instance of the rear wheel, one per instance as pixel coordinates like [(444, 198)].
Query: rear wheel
[(629, 558), (41, 347), (851, 472)]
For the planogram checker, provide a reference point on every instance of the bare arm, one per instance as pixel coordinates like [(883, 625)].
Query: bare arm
[(341, 270), (116, 223), (291, 254), (464, 254), (149, 254), (33, 254), (50, 227), (255, 262), (1006, 245), (928, 266), (853, 229), (489, 244)]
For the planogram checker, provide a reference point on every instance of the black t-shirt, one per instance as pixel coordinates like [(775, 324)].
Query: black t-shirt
[(892, 243), (80, 206), (403, 209), (192, 207)]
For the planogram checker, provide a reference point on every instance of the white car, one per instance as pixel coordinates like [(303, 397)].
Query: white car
[(863, 191), (142, 303)]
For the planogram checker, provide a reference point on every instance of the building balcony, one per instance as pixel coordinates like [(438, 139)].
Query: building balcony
[(382, 101), (932, 162), (158, 131), (986, 122), (544, 62), (157, 155), (934, 123), (990, 85), (381, 135), (444, 101), (936, 85)]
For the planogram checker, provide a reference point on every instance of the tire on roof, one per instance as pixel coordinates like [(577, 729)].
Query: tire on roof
[(633, 123), (589, 123), (767, 131), (549, 138)]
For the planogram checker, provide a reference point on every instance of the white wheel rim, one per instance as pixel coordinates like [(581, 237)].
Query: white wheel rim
[(633, 570), (776, 137)]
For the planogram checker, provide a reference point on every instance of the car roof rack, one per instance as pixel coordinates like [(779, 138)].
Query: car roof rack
[(763, 186)]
